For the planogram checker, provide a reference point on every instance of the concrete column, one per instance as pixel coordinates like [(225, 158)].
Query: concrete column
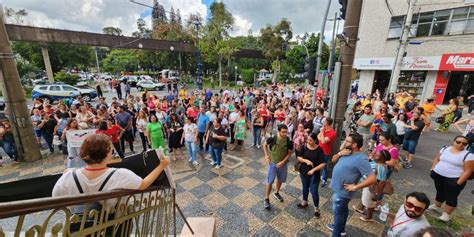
[(15, 101), (428, 87), (47, 63)]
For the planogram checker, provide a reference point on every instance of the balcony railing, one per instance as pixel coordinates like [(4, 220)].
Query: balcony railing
[(119, 213)]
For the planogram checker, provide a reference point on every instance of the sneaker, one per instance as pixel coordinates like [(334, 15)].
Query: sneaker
[(303, 204), (258, 146), (317, 213), (213, 163), (189, 160), (195, 163), (217, 167), (408, 165), (433, 207), (323, 183), (331, 228), (278, 197), (445, 217), (266, 203)]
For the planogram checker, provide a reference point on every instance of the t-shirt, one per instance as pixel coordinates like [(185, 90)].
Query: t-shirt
[(365, 118), (404, 226), (112, 132), (451, 165), (392, 150), (48, 127), (279, 148), (349, 170), (122, 119), (327, 147), (316, 156), (202, 122), (189, 132), (36, 119), (414, 135), (216, 143), (121, 179)]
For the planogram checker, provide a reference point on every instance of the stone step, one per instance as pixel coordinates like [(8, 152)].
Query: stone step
[(202, 227)]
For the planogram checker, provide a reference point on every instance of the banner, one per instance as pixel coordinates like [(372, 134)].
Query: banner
[(77, 137), (457, 62)]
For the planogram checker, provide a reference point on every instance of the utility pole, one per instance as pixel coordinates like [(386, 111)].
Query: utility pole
[(402, 47), (320, 49), (97, 64), (15, 100), (333, 44), (350, 33)]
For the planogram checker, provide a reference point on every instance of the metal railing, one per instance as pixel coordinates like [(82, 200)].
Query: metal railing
[(112, 213)]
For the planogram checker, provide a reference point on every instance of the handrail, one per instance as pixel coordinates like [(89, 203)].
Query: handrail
[(16, 208)]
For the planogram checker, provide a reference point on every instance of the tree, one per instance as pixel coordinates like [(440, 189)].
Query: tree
[(61, 55), (15, 17), (273, 39), (179, 22), (172, 16), (142, 31), (112, 31), (216, 44), (158, 14), (120, 60)]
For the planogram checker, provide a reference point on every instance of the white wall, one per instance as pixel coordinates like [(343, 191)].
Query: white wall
[(366, 81)]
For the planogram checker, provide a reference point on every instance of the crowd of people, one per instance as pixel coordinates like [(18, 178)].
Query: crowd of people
[(382, 136)]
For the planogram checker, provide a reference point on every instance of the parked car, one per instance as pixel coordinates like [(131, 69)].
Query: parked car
[(149, 85), (133, 80), (57, 91), (40, 81), (2, 109)]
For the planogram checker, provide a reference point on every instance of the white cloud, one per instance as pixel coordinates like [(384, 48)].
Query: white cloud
[(93, 15), (241, 26)]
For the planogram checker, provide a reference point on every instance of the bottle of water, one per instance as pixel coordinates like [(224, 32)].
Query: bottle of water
[(384, 212)]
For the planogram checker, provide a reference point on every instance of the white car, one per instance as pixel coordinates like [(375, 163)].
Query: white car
[(57, 91), (149, 85)]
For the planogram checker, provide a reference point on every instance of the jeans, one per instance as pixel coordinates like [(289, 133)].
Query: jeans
[(49, 140), (201, 141), (216, 155), (232, 131), (144, 141), (310, 184), (341, 211), (127, 136), (191, 150), (10, 149), (118, 149), (325, 169), (257, 136)]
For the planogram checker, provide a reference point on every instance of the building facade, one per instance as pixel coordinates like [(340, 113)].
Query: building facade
[(439, 59)]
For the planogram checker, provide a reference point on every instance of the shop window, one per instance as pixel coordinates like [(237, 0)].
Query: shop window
[(470, 22), (412, 82)]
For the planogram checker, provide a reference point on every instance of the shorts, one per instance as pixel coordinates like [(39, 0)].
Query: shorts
[(410, 146), (274, 172), (38, 133)]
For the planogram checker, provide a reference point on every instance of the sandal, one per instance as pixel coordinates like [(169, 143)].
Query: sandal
[(357, 210), (363, 218)]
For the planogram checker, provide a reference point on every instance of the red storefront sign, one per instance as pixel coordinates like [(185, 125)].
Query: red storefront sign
[(457, 62)]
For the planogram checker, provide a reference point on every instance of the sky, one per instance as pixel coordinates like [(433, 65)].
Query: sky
[(249, 15)]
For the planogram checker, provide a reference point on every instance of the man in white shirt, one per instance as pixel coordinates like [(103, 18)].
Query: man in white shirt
[(409, 218)]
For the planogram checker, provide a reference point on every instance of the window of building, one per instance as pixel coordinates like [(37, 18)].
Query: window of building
[(458, 21), (440, 22), (444, 22), (396, 27), (470, 22)]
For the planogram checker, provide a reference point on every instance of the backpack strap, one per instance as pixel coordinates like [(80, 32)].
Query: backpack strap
[(79, 187), (106, 180), (76, 180), (465, 156)]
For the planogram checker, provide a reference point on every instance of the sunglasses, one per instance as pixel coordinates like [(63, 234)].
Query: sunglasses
[(412, 206), (460, 142)]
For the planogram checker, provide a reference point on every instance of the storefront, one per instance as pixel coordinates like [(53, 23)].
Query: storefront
[(455, 77), (417, 76)]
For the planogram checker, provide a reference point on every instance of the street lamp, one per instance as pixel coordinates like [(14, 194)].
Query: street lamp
[(197, 24), (235, 72)]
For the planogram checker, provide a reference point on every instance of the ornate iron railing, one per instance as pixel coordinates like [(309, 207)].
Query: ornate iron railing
[(112, 213)]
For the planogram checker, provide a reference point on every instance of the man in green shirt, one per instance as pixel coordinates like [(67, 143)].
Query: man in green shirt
[(277, 151), (363, 125)]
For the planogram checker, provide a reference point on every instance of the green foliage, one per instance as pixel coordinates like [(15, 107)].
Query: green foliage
[(61, 55), (112, 31), (120, 60), (67, 78), (247, 75), (273, 37), (24, 67)]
